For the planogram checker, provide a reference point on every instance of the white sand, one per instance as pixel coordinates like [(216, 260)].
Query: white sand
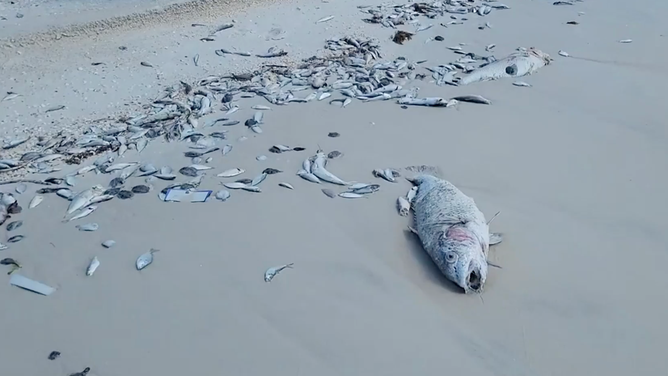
[(575, 163)]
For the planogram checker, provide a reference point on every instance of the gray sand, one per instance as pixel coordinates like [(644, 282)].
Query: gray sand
[(576, 163)]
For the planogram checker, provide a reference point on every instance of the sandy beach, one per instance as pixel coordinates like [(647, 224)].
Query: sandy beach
[(575, 163)]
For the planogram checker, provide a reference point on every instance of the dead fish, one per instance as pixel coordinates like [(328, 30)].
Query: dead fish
[(272, 272), (235, 185), (258, 179), (222, 195), (196, 60), (108, 243), (227, 149), (55, 108), (145, 259), (35, 201), (88, 227), (125, 194), (261, 107), (521, 84), (350, 195), (625, 40), (387, 174), (285, 185), (82, 199), (231, 173), (479, 99), (324, 19), (364, 189), (222, 27), (564, 53), (85, 212), (15, 239), (92, 266), (21, 188), (15, 142), (271, 54), (188, 171), (251, 188), (140, 189), (333, 134), (14, 225), (329, 193), (308, 176), (10, 95), (271, 171), (145, 64), (334, 154)]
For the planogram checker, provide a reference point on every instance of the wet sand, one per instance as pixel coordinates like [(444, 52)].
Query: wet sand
[(574, 163)]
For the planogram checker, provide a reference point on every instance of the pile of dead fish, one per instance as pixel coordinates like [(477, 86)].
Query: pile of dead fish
[(391, 16)]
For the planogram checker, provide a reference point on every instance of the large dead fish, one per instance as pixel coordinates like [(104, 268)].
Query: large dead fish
[(517, 64), (453, 231)]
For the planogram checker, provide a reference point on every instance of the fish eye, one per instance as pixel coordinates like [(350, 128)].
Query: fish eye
[(451, 257)]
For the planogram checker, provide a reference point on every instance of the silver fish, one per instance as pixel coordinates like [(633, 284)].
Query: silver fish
[(88, 227), (35, 201), (227, 149), (318, 169), (308, 176), (235, 185), (351, 195), (92, 266), (286, 185), (453, 231), (82, 199), (108, 243), (272, 272), (145, 259), (258, 179), (21, 188), (84, 213), (325, 19), (231, 173)]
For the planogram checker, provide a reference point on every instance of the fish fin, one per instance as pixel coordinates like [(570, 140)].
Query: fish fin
[(495, 238)]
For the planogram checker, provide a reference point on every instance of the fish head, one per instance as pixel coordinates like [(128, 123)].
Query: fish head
[(463, 259)]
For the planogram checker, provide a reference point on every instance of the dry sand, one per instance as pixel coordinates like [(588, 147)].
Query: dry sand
[(575, 163)]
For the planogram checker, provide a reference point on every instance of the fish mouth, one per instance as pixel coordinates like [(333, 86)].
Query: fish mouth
[(474, 282)]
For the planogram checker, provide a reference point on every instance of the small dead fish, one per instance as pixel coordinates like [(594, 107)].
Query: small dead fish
[(333, 134), (188, 171), (15, 142), (14, 225), (261, 107), (196, 60), (223, 27), (145, 259), (84, 212), (145, 64), (10, 95), (285, 185), (271, 171), (521, 84), (108, 243), (235, 185), (387, 174), (308, 176), (479, 99), (350, 195), (15, 239), (35, 201), (324, 19), (625, 41), (251, 188), (329, 193), (227, 149), (88, 227), (258, 179), (92, 266), (21, 188), (272, 272), (140, 189), (334, 154), (231, 173), (564, 53), (55, 108)]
